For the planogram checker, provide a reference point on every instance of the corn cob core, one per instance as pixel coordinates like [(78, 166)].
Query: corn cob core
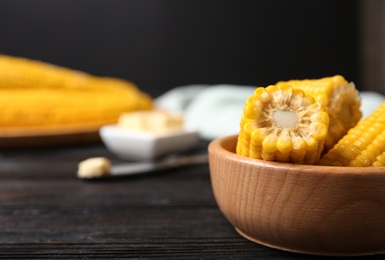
[(341, 100), (38, 94), (280, 123), (363, 145)]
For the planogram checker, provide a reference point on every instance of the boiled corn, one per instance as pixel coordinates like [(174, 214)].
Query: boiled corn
[(363, 145), (280, 123), (340, 99), (38, 94)]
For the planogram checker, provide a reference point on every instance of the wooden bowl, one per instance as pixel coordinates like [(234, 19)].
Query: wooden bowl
[(321, 210)]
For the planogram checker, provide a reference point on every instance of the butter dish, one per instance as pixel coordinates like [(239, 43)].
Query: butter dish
[(145, 145)]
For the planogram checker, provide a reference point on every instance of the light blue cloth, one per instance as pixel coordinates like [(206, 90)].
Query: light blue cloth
[(216, 110)]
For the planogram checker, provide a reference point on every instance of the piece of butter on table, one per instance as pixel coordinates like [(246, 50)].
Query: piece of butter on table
[(152, 121)]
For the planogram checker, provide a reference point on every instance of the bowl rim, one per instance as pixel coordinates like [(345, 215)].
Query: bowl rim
[(216, 147)]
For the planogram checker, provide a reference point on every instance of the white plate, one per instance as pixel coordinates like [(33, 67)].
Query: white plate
[(141, 145), (23, 137)]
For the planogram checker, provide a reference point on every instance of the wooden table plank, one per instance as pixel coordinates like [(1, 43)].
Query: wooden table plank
[(47, 213)]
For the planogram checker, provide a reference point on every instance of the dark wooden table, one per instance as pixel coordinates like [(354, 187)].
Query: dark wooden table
[(46, 212)]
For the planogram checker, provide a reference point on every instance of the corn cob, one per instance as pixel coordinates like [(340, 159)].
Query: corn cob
[(340, 99), (36, 94), (280, 123), (363, 145)]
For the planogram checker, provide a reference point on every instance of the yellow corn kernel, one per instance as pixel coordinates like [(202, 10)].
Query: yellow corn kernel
[(363, 145), (284, 143), (269, 144), (38, 94), (340, 99), (380, 160), (256, 137), (280, 123)]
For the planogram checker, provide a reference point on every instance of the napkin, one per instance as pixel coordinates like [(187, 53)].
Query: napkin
[(216, 110)]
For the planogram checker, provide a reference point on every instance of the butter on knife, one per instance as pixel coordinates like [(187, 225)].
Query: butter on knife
[(94, 167)]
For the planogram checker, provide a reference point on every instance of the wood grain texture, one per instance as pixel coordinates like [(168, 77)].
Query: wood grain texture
[(47, 213), (308, 209)]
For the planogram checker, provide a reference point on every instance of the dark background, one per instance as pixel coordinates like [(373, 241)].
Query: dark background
[(162, 44)]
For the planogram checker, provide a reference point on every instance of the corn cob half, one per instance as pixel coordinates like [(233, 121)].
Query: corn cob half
[(280, 123), (340, 99), (363, 145), (38, 94)]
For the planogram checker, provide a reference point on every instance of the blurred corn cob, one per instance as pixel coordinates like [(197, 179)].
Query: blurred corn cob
[(35, 94), (340, 99), (363, 145), (281, 123)]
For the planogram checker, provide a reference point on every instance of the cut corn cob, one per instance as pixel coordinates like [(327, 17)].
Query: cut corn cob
[(38, 94), (280, 123), (340, 99), (363, 145)]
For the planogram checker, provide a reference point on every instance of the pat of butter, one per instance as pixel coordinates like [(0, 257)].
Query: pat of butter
[(94, 167), (153, 121)]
